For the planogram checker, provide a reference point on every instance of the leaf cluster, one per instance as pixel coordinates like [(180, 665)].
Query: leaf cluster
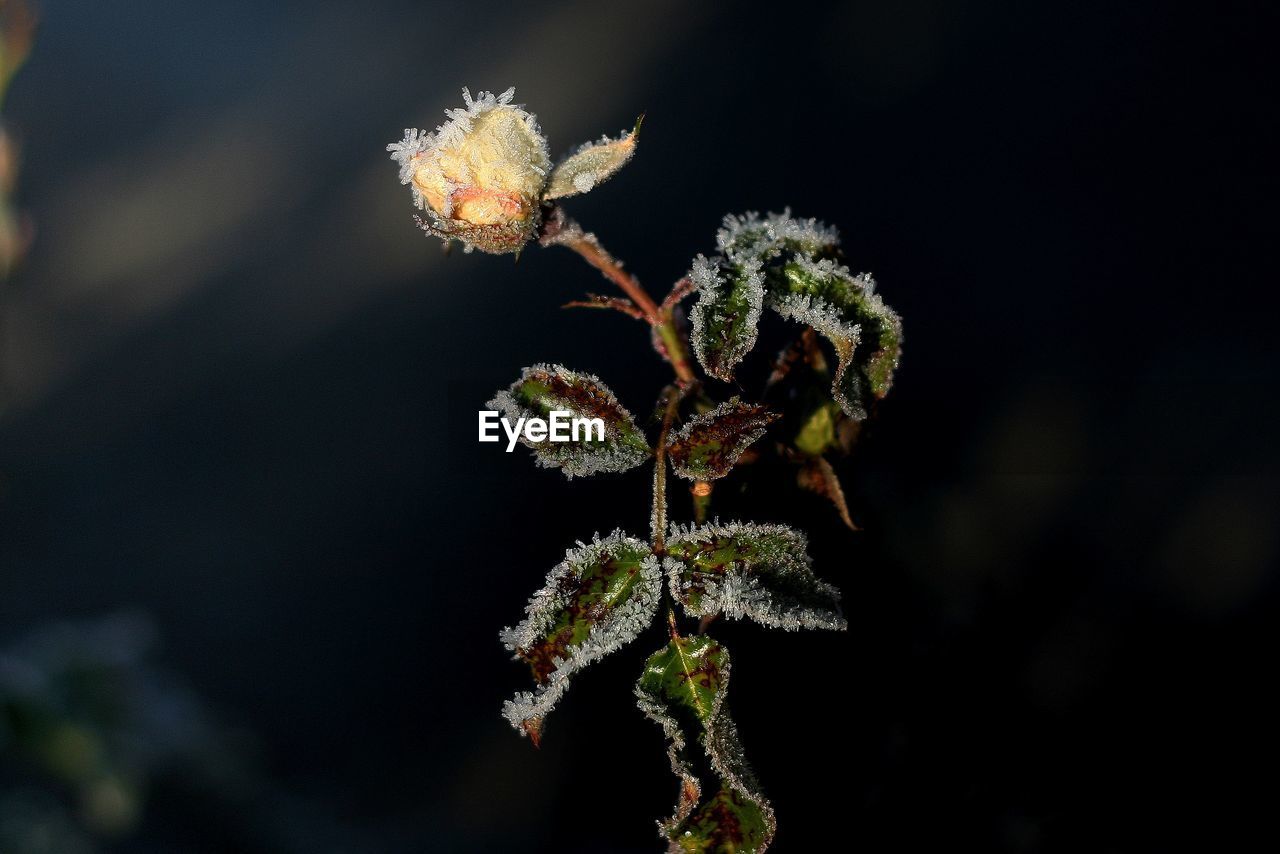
[(606, 592)]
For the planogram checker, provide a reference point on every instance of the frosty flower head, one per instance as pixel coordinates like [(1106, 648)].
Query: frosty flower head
[(480, 175), (483, 175)]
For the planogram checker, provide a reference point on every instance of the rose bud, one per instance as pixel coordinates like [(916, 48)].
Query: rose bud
[(481, 175)]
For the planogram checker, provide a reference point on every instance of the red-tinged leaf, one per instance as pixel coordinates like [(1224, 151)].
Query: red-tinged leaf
[(710, 444), (683, 688), (597, 600), (544, 389)]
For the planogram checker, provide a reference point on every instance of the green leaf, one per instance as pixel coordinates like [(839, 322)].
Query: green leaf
[(710, 444), (683, 688), (794, 261), (818, 433), (731, 285), (726, 319), (865, 333), (598, 599), (761, 572), (590, 165), (543, 389)]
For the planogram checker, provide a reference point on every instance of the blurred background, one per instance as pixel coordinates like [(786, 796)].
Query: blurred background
[(253, 561)]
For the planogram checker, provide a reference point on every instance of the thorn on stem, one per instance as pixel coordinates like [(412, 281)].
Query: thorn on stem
[(679, 291)]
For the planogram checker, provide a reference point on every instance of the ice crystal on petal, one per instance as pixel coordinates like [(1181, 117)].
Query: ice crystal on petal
[(599, 598), (480, 175), (415, 142), (751, 571)]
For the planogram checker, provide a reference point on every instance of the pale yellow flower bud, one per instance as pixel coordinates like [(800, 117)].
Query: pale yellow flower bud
[(481, 175)]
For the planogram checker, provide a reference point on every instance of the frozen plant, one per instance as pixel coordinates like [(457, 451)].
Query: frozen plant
[(484, 178)]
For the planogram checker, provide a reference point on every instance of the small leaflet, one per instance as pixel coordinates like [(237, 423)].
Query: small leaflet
[(592, 164), (845, 309), (751, 571), (819, 477), (542, 389), (710, 444), (726, 319), (595, 601)]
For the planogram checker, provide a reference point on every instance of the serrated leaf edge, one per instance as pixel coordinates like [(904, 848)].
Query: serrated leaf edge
[(720, 742), (622, 626), (707, 420), (737, 596)]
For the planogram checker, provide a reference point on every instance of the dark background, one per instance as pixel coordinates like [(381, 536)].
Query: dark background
[(239, 397)]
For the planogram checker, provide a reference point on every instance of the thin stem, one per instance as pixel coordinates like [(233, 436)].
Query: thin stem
[(559, 230), (677, 350), (588, 246), (625, 306), (660, 474)]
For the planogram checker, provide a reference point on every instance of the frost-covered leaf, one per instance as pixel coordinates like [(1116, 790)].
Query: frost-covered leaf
[(543, 389), (726, 319), (865, 333), (598, 599), (794, 261), (731, 285), (709, 445), (761, 572), (590, 165), (748, 236), (683, 688)]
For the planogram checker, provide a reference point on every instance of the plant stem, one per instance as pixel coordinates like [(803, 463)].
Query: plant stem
[(660, 474), (588, 246), (560, 230)]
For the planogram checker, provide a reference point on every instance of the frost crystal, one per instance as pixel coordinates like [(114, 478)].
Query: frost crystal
[(760, 572), (415, 142), (599, 598), (749, 236)]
